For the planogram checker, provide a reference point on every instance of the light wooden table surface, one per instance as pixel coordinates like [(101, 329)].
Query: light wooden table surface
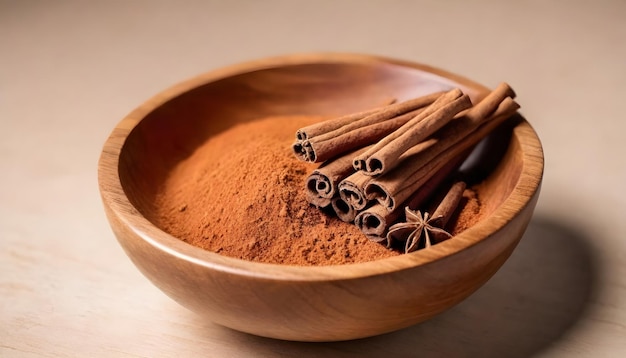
[(70, 70)]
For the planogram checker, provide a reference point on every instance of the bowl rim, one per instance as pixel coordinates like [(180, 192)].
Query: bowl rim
[(115, 199)]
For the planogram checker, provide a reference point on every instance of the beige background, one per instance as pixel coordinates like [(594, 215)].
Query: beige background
[(70, 70)]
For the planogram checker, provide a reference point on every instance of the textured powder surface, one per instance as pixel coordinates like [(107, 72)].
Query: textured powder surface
[(241, 194), (467, 214)]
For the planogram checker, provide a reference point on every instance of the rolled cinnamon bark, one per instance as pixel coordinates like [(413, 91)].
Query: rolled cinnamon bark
[(448, 205), (428, 157), (490, 103), (322, 183), (316, 200), (361, 132), (352, 189), (343, 209), (374, 222), (383, 156), (332, 124)]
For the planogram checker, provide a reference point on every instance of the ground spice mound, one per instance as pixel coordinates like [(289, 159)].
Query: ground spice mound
[(468, 214), (241, 194)]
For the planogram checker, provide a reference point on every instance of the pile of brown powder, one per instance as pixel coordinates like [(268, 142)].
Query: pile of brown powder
[(241, 194)]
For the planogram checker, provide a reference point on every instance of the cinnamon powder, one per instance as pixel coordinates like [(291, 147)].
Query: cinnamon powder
[(241, 194)]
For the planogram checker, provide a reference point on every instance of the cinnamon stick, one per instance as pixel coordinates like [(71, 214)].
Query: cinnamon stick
[(352, 189), (426, 158), (343, 209), (376, 220), (332, 124), (490, 103), (317, 200), (361, 132), (448, 205), (383, 156), (322, 184)]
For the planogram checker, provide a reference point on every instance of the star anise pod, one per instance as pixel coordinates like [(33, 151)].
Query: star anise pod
[(417, 231), (422, 230)]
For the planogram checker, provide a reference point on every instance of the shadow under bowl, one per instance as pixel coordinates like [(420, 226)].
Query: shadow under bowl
[(318, 303)]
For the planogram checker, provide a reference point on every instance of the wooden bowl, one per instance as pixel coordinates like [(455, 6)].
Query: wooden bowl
[(320, 303)]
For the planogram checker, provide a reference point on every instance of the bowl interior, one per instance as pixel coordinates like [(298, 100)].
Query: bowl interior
[(170, 130)]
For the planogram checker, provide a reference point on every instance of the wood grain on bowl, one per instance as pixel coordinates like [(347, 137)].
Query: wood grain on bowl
[(305, 303)]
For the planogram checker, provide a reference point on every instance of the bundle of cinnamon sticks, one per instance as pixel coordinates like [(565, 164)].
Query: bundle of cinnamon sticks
[(379, 165)]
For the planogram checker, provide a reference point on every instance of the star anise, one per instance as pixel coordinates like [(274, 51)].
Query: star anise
[(417, 231)]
